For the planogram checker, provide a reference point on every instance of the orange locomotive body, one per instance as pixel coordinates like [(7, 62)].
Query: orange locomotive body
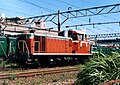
[(68, 46), (45, 44)]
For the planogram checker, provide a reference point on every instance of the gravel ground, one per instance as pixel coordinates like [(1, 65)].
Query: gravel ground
[(50, 79)]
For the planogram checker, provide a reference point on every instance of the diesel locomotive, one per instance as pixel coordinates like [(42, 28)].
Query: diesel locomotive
[(69, 46)]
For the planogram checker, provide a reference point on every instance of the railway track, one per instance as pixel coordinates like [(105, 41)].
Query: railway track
[(35, 73)]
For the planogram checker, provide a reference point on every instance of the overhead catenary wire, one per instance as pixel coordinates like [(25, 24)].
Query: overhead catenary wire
[(102, 15), (68, 3), (41, 7), (98, 4), (36, 4), (87, 9), (88, 2), (18, 7), (76, 7), (100, 23), (51, 4), (16, 11)]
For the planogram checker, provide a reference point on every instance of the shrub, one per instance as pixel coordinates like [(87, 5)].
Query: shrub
[(54, 80), (3, 64), (99, 70)]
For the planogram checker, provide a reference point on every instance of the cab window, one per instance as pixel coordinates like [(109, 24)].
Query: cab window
[(73, 35), (82, 36)]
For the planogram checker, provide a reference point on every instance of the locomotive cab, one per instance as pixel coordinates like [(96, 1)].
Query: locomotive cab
[(79, 41), (73, 34)]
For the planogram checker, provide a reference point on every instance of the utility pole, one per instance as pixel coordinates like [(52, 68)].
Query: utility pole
[(58, 20), (96, 40), (0, 29)]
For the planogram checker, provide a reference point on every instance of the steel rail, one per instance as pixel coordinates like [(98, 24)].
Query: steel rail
[(35, 73)]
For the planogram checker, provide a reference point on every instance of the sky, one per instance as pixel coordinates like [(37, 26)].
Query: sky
[(30, 8)]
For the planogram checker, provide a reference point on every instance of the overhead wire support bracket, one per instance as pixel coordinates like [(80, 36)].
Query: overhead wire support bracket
[(64, 21), (46, 18), (114, 8), (86, 12), (100, 23), (104, 35)]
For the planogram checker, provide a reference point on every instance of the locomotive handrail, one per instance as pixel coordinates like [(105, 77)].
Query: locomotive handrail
[(3, 49), (13, 49), (23, 45)]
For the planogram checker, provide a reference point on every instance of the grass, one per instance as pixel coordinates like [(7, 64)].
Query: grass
[(34, 82), (13, 77), (55, 80), (3, 64)]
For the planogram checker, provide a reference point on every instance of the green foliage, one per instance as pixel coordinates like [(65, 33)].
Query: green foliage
[(55, 80), (99, 50), (13, 77), (34, 82), (59, 79), (100, 70), (3, 64)]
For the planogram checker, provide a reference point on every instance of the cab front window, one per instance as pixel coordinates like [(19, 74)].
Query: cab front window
[(82, 36), (73, 35)]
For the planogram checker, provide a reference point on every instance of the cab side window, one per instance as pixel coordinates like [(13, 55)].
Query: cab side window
[(72, 35), (82, 36)]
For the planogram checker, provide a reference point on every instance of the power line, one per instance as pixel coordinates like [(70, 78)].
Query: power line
[(102, 15), (17, 7), (28, 2), (67, 3), (98, 4), (86, 12), (81, 13), (73, 6), (54, 5), (78, 7), (118, 22), (15, 11)]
